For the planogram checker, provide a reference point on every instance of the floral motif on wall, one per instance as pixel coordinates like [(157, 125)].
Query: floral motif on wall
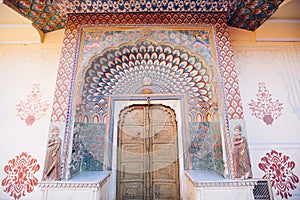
[(201, 146), (34, 108), (279, 169), (265, 108), (20, 178), (88, 147), (217, 147), (199, 41)]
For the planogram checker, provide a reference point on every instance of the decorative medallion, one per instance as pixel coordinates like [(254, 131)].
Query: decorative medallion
[(20, 178), (279, 169), (265, 108)]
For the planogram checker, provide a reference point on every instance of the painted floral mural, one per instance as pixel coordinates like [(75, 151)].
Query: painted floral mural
[(265, 107), (20, 175), (88, 147), (279, 169), (34, 108), (201, 146), (197, 40)]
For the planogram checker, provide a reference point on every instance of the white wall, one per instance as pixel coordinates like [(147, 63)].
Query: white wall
[(22, 66), (277, 65)]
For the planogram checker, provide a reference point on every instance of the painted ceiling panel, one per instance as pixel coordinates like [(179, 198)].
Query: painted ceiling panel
[(41, 12), (250, 14), (50, 15)]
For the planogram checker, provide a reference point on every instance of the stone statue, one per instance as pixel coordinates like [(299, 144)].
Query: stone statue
[(52, 162), (241, 161)]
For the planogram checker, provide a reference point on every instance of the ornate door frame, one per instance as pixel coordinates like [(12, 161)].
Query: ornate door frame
[(119, 102)]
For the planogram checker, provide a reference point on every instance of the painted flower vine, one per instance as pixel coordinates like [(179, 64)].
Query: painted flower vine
[(265, 108), (34, 108)]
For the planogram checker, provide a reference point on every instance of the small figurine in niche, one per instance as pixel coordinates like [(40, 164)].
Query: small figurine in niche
[(241, 161), (147, 81), (52, 162)]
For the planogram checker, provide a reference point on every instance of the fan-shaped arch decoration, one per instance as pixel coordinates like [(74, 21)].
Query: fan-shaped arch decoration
[(168, 70)]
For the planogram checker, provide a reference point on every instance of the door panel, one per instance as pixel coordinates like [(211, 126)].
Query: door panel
[(163, 152), (165, 191), (131, 191), (163, 134), (164, 172), (147, 153)]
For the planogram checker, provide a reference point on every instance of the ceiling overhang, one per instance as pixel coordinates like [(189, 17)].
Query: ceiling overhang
[(250, 15), (16, 29), (50, 15)]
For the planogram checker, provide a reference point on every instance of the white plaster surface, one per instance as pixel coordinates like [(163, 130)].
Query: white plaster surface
[(23, 65)]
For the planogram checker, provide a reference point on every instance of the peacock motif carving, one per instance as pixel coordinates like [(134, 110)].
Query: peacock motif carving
[(172, 70)]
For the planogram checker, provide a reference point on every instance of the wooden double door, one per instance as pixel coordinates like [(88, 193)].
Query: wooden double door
[(147, 153)]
